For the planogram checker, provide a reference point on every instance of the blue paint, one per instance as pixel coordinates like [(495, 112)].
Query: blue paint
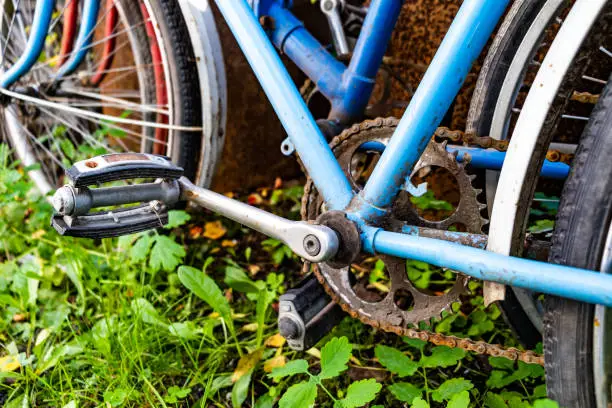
[(35, 44), (304, 133), (463, 43), (292, 39), (494, 160), (358, 80), (572, 283), (488, 159), (87, 27), (465, 238), (348, 89)]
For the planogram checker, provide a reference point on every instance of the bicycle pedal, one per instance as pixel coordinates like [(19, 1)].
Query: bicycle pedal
[(306, 314), (74, 201)]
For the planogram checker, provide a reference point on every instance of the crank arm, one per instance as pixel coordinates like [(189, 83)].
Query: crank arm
[(73, 203), (315, 243), (331, 9)]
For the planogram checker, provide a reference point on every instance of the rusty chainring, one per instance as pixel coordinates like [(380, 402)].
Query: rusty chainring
[(386, 313)]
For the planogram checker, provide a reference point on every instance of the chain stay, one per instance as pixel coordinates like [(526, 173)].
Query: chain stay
[(487, 142)]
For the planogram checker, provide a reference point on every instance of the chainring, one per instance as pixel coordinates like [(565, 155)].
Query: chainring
[(404, 303)]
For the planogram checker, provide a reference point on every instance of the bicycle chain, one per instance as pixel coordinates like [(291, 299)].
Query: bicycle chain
[(480, 347)]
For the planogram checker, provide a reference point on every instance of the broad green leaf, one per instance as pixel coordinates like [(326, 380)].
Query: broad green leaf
[(241, 389), (68, 148), (501, 362), (301, 395), (176, 218), (502, 378), (539, 392), (334, 357), (404, 391), (415, 343), (291, 368), (237, 279), (442, 356), (460, 400), (450, 387), (265, 401), (140, 250), (545, 403), (517, 402), (166, 254), (395, 361), (419, 403), (53, 356), (116, 397), (185, 330), (176, 393), (360, 393), (206, 289), (146, 311), (493, 400), (264, 299)]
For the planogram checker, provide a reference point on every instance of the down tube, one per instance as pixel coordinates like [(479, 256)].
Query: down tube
[(464, 41), (291, 110)]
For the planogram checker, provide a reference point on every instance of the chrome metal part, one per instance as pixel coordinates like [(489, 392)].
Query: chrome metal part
[(332, 9), (293, 233)]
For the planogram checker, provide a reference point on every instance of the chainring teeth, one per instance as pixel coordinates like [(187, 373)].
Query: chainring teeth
[(386, 312)]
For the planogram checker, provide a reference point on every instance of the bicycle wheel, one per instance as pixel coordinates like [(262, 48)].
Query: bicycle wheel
[(577, 344), (504, 81), (135, 90)]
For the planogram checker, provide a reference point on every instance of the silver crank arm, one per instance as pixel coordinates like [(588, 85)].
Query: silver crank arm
[(315, 243)]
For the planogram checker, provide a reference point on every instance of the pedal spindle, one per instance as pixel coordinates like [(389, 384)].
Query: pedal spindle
[(74, 201)]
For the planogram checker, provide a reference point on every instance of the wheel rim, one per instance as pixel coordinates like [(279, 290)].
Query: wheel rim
[(55, 138)]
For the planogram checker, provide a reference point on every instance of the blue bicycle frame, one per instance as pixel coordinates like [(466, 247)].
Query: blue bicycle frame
[(348, 88)]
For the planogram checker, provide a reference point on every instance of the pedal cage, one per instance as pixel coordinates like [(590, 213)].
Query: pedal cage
[(306, 314), (74, 201)]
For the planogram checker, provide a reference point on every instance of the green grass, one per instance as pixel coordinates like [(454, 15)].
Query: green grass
[(166, 319)]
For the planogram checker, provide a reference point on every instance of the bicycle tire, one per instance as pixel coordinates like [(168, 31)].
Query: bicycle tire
[(185, 85), (579, 240), (181, 80)]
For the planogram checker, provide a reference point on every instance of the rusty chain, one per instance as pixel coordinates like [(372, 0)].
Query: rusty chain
[(438, 339), (480, 347)]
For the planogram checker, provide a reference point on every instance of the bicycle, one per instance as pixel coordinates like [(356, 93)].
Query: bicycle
[(354, 210)]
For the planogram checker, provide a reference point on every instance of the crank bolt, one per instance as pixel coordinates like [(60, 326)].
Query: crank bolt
[(312, 245)]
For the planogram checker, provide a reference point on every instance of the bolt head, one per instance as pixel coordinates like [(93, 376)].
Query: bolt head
[(312, 245), (63, 201)]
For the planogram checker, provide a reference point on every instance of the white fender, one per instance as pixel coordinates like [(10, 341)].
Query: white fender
[(511, 189), (204, 37)]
